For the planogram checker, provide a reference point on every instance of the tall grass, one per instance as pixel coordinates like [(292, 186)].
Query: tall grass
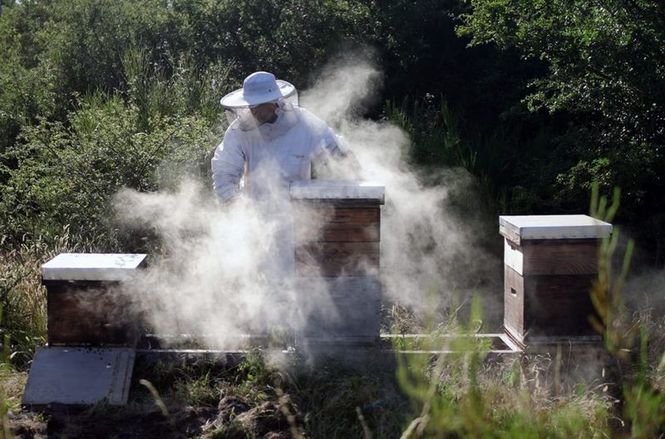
[(463, 394), (626, 338), (5, 368), (23, 298)]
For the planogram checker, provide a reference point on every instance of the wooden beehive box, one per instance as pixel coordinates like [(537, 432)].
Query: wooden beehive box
[(338, 234), (550, 262), (84, 306)]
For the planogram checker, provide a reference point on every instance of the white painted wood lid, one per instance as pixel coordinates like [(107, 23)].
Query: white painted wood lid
[(337, 190), (525, 227), (92, 266)]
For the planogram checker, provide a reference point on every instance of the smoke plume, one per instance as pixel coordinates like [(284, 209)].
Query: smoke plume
[(429, 254), (219, 274)]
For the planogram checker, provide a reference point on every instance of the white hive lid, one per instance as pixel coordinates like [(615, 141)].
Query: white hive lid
[(525, 227), (92, 266), (337, 190)]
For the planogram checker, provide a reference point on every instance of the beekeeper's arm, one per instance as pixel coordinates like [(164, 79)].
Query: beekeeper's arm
[(335, 158), (228, 165), (333, 145)]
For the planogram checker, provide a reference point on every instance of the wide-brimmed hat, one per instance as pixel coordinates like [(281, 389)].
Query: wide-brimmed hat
[(258, 88)]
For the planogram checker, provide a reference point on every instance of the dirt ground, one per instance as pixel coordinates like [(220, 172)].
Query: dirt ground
[(193, 401), (232, 417), (207, 401), (268, 416)]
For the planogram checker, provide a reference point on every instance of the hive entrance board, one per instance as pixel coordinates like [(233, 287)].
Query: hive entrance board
[(80, 376)]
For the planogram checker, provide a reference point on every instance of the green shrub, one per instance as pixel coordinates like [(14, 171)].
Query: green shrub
[(26, 91), (67, 175)]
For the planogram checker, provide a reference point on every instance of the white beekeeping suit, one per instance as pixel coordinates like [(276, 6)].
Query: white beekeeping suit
[(269, 155), (270, 142)]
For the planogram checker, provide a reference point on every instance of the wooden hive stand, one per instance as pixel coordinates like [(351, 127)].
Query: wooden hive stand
[(550, 262)]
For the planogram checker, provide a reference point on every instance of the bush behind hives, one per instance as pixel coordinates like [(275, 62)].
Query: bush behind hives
[(68, 174)]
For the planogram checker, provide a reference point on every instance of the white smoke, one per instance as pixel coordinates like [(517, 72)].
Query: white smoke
[(428, 254), (645, 293), (221, 272), (218, 275)]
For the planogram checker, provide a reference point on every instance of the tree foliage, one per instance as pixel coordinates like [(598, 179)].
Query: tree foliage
[(537, 99), (100, 95), (68, 173), (606, 66)]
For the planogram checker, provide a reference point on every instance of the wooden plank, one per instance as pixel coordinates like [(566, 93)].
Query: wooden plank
[(549, 257), (337, 259), (513, 256), (79, 316), (513, 302), (336, 232), (358, 215), (361, 224), (547, 305), (510, 234), (558, 305), (343, 215)]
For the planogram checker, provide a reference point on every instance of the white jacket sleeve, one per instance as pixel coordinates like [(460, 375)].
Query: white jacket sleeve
[(227, 165), (334, 159), (334, 146)]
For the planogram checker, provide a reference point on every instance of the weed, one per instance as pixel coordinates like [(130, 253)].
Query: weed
[(644, 404), (158, 399), (460, 394), (234, 429), (6, 373), (197, 390), (23, 298)]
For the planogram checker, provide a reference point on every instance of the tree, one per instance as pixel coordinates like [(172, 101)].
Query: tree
[(606, 65)]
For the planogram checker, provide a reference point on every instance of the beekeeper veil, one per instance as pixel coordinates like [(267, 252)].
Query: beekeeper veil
[(258, 88)]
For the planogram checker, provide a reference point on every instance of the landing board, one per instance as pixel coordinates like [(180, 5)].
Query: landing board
[(80, 376)]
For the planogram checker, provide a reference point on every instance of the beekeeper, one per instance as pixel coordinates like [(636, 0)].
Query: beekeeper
[(270, 141)]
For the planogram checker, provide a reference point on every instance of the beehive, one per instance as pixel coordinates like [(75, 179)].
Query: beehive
[(85, 307), (338, 236), (550, 263)]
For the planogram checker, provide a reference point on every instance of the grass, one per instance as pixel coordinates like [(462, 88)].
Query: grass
[(23, 298), (457, 395)]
